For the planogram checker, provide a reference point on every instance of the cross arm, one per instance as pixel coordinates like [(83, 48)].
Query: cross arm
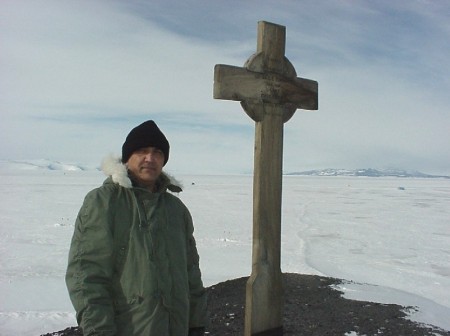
[(241, 84)]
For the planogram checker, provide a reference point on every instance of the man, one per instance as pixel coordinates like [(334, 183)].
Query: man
[(133, 264)]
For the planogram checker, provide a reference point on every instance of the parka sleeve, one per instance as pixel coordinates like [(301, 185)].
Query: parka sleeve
[(198, 316), (90, 266)]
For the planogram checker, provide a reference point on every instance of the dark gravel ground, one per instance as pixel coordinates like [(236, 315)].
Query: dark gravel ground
[(312, 308)]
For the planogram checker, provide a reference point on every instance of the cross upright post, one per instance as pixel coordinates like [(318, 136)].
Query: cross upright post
[(270, 92)]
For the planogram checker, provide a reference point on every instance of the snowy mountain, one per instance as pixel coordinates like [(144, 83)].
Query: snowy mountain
[(41, 164), (46, 164), (368, 172)]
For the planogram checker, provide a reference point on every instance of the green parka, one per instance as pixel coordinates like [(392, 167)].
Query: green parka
[(133, 264)]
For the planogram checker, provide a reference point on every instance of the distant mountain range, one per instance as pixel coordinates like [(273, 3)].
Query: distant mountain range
[(369, 172), (42, 164), (45, 164)]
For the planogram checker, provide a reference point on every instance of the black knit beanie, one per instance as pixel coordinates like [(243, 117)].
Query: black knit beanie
[(146, 134)]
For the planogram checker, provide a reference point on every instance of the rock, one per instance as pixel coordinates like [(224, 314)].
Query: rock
[(312, 307)]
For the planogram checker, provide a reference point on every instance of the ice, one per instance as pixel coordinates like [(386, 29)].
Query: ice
[(392, 244)]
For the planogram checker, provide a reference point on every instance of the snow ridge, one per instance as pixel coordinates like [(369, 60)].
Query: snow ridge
[(367, 172), (41, 164)]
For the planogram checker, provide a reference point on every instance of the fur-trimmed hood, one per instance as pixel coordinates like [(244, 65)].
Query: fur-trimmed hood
[(112, 166)]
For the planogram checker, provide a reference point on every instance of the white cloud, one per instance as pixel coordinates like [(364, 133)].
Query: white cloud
[(78, 75)]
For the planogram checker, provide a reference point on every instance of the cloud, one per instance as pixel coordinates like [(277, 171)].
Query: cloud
[(78, 75)]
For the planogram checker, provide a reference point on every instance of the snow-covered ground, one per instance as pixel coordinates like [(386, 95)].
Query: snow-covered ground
[(390, 236)]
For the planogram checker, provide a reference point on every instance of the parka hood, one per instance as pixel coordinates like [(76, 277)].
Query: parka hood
[(112, 166)]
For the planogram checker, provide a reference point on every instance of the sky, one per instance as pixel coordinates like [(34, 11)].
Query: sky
[(77, 76)]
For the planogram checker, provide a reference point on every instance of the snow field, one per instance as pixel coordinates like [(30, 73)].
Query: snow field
[(389, 236)]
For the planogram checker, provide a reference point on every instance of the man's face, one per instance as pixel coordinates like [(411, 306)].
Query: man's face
[(145, 164)]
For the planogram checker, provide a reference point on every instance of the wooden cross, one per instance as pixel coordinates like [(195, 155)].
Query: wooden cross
[(270, 92)]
